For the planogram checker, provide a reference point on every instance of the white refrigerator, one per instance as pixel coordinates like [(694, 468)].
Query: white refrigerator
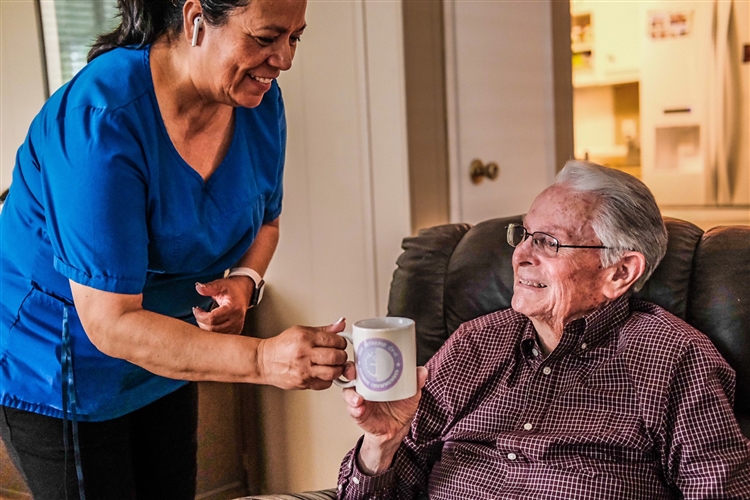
[(695, 102)]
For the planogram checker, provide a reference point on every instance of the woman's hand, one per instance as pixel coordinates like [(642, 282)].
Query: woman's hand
[(232, 297), (385, 424), (303, 357)]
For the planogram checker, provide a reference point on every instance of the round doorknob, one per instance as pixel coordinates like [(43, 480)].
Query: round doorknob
[(478, 170)]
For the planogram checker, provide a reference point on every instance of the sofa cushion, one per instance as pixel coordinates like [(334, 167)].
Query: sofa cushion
[(480, 274), (419, 282), (668, 286), (719, 303)]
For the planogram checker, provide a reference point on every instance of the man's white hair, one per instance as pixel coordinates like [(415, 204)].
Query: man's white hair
[(626, 218)]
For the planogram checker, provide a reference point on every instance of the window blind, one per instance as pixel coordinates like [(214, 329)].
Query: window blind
[(70, 28)]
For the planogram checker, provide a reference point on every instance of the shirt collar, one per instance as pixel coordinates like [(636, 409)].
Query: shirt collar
[(593, 328), (597, 325)]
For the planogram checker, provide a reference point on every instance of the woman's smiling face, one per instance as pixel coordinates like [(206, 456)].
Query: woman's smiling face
[(242, 57)]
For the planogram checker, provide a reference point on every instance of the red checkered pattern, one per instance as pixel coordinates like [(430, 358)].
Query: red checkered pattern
[(632, 404)]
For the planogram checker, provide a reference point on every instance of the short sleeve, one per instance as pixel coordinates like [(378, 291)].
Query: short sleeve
[(273, 201), (95, 191)]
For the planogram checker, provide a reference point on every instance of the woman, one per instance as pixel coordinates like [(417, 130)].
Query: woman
[(154, 170)]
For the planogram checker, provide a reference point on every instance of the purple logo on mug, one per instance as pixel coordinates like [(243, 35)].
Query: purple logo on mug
[(379, 364)]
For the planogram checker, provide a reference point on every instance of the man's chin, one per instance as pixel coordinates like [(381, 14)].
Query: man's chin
[(529, 306), (517, 305)]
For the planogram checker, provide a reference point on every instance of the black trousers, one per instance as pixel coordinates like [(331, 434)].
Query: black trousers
[(150, 453)]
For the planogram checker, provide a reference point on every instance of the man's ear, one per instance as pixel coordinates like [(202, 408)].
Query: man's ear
[(623, 274)]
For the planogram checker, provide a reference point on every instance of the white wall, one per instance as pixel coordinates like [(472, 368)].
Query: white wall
[(21, 85), (346, 210), (21, 96)]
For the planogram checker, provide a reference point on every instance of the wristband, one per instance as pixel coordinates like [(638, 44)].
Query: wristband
[(257, 281)]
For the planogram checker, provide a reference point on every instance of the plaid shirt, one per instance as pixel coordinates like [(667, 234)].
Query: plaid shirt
[(633, 403)]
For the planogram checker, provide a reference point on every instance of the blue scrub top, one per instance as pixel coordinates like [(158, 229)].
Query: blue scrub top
[(101, 196)]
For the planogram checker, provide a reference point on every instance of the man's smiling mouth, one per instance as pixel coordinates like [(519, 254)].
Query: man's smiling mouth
[(532, 283)]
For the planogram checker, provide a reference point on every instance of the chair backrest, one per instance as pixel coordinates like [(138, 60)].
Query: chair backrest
[(453, 273)]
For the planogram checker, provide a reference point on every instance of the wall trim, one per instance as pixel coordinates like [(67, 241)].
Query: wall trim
[(451, 111)]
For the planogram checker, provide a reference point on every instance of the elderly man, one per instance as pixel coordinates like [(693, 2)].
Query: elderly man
[(578, 391)]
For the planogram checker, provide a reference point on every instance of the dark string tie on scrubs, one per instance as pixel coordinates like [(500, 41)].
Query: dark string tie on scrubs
[(69, 403)]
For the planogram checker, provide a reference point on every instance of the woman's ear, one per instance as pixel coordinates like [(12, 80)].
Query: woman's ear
[(192, 21), (624, 273)]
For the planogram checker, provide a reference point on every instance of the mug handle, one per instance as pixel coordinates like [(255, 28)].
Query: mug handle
[(344, 384)]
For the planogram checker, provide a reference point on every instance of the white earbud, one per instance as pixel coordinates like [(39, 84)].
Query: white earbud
[(196, 28)]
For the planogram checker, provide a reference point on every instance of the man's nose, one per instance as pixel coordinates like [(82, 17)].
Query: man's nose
[(524, 251)]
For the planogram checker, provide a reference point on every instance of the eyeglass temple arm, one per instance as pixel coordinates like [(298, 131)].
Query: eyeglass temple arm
[(580, 246)]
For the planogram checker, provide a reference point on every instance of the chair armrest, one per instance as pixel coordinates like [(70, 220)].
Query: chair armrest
[(308, 495)]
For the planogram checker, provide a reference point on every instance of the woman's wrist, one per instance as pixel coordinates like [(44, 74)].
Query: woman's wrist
[(253, 281), (254, 368), (248, 287)]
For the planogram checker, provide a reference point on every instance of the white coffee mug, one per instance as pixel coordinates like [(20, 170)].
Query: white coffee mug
[(385, 354)]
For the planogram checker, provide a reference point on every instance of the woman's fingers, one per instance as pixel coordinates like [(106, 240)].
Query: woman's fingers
[(229, 316), (336, 327), (328, 356), (319, 385), (222, 319), (210, 289), (324, 337), (327, 373), (209, 318)]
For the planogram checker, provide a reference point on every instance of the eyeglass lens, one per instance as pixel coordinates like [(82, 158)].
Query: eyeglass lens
[(541, 241), (516, 234)]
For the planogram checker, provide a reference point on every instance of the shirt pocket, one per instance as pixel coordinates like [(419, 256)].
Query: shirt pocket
[(32, 350), (606, 425), (586, 442)]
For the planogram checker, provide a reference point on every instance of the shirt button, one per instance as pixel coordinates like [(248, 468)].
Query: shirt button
[(340, 486), (547, 370), (527, 427), (535, 352), (355, 480), (512, 456), (584, 346)]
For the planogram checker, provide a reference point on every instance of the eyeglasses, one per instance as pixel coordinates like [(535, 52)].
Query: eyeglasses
[(545, 243)]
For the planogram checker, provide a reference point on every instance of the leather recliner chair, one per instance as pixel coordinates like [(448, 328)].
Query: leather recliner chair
[(452, 273)]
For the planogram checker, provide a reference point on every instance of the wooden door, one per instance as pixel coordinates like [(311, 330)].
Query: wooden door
[(509, 97)]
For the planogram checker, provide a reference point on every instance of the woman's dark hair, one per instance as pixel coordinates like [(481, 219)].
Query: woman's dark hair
[(143, 21)]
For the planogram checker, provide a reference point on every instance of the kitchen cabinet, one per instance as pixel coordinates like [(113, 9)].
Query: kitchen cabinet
[(605, 42)]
